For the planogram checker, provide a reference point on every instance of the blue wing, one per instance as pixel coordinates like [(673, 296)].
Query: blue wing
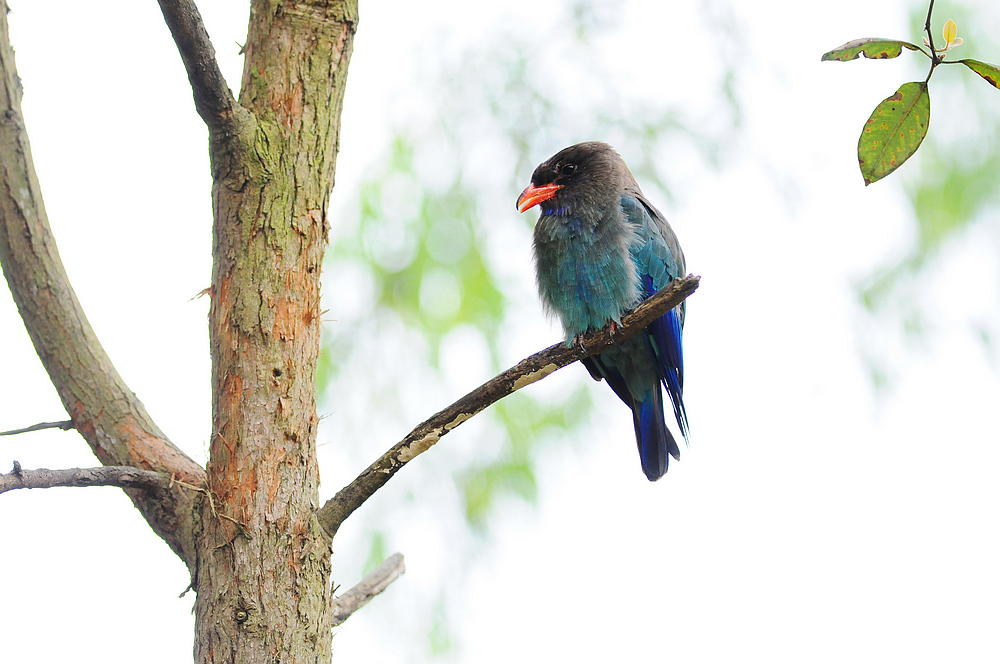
[(659, 259), (636, 368)]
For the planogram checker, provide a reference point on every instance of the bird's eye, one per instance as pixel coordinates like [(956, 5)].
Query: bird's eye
[(567, 169)]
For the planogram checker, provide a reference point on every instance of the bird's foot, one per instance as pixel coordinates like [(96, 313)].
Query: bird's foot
[(613, 329), (578, 342)]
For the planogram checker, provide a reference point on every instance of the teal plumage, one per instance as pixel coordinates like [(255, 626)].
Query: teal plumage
[(600, 248)]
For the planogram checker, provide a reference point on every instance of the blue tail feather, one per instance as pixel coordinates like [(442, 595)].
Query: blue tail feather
[(656, 444), (680, 414), (665, 334)]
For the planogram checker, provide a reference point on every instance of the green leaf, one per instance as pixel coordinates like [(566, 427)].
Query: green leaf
[(871, 47), (894, 131), (990, 73)]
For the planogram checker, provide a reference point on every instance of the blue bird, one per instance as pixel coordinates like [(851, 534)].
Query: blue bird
[(601, 248)]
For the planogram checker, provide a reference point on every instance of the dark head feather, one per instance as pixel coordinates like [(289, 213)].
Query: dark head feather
[(592, 176)]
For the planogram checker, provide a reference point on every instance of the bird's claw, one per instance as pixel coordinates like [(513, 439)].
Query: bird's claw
[(613, 328)]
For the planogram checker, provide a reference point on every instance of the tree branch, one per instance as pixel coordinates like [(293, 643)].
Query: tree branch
[(65, 426), (534, 368), (104, 410), (373, 584), (936, 58), (213, 99), (120, 476), (930, 35)]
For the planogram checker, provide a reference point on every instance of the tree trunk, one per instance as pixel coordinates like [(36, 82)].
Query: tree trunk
[(246, 525), (263, 569)]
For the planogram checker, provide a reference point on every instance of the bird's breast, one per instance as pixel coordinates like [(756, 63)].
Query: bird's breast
[(585, 276)]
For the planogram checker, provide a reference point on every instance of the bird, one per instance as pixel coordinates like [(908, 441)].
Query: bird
[(600, 248)]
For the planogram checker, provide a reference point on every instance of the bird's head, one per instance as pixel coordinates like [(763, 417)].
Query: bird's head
[(583, 176)]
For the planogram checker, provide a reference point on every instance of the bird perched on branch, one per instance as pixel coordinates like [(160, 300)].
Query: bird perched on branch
[(601, 248)]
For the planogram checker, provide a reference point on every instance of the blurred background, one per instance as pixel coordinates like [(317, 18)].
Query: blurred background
[(838, 501)]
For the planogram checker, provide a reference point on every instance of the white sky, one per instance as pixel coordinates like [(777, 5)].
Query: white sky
[(811, 519)]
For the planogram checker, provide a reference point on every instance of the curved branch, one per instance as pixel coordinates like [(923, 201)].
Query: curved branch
[(104, 410), (529, 370), (213, 99), (370, 586), (120, 476)]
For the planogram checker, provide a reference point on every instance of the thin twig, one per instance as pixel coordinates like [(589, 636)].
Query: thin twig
[(936, 58), (65, 426), (930, 37), (368, 588), (534, 368), (212, 97), (120, 476)]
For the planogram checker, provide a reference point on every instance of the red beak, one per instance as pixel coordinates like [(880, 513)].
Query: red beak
[(533, 195)]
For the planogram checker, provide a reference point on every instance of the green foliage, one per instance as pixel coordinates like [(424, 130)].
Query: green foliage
[(894, 131), (953, 194), (440, 638), (898, 125), (950, 191), (990, 73), (428, 262), (873, 48)]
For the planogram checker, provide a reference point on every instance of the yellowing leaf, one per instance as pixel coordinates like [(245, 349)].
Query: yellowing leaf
[(950, 31), (990, 73), (874, 48)]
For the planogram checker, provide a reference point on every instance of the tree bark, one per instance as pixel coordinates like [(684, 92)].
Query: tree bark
[(263, 569)]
